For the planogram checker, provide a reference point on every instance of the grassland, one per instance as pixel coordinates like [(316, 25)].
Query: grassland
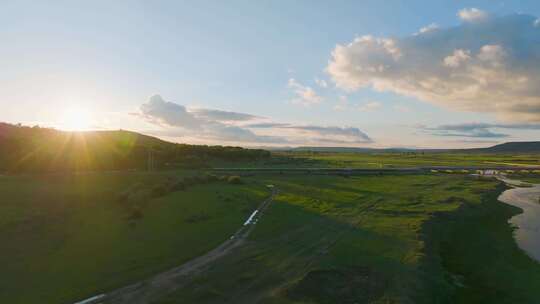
[(67, 237), (375, 239), (401, 160), (433, 238), (530, 178)]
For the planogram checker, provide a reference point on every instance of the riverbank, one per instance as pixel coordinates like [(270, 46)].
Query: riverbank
[(478, 256), (527, 223)]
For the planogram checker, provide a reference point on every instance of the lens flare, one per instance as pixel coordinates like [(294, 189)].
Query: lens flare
[(76, 119)]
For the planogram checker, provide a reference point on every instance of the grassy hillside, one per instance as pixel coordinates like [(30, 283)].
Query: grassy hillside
[(67, 237), (512, 147), (25, 149)]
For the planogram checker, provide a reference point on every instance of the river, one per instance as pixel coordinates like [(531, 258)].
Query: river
[(526, 197)]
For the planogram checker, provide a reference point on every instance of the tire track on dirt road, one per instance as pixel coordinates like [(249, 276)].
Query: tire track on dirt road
[(161, 284)]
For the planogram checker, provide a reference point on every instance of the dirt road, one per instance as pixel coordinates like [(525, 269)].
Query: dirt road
[(151, 289)]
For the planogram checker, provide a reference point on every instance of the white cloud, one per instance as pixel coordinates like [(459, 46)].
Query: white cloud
[(457, 58), (177, 121), (536, 22), (472, 15), (217, 126), (304, 95), (429, 28), (161, 112), (493, 54), (492, 66)]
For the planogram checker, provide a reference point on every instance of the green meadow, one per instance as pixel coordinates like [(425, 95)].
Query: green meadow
[(375, 239), (432, 238), (68, 237), (399, 160)]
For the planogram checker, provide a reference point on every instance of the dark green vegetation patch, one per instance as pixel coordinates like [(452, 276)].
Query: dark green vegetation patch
[(66, 237), (351, 285)]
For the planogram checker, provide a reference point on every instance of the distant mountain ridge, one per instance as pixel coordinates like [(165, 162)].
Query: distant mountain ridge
[(509, 147), (345, 149)]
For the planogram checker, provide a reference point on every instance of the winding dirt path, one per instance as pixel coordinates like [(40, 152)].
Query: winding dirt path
[(166, 282)]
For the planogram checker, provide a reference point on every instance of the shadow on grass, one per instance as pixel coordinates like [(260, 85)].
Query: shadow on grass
[(471, 257), (294, 255)]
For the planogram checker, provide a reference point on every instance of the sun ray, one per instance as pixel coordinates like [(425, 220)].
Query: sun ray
[(76, 119)]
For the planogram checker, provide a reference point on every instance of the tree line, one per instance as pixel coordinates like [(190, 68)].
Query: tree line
[(37, 149)]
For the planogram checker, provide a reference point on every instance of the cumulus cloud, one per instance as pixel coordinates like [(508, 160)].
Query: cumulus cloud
[(162, 112), (472, 15), (457, 58), (429, 28), (474, 129), (177, 121), (304, 95), (489, 66), (213, 125)]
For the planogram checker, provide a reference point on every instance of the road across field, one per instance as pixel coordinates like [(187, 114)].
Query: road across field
[(166, 282)]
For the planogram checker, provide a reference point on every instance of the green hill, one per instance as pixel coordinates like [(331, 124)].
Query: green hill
[(513, 147), (35, 149)]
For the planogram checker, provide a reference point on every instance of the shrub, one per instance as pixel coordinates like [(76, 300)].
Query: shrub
[(159, 190), (211, 178), (122, 196), (178, 186), (189, 181), (197, 180), (234, 179), (136, 213), (138, 197)]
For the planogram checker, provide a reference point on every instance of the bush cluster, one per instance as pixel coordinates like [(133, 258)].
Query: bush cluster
[(137, 196)]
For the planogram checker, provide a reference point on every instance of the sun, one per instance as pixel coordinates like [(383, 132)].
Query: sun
[(76, 119)]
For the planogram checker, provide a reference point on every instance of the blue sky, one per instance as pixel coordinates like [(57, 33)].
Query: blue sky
[(104, 62)]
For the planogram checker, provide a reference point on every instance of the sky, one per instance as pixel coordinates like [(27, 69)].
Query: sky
[(425, 74)]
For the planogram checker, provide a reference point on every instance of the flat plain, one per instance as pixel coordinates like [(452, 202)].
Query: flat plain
[(380, 238)]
